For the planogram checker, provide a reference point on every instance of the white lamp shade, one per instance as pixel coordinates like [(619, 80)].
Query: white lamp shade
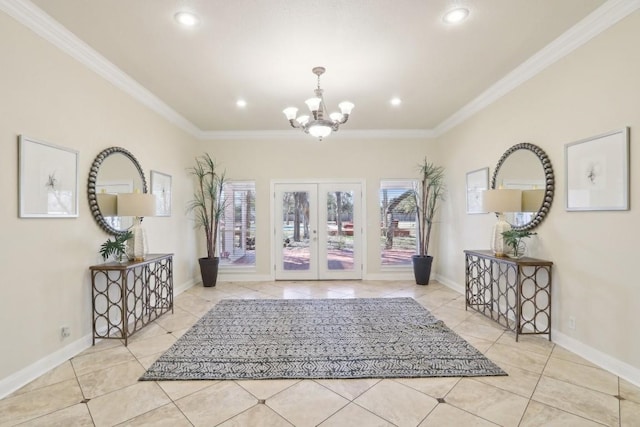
[(108, 204), (502, 200), (136, 204), (313, 104), (290, 112), (303, 120), (336, 117), (320, 131), (346, 107), (532, 200)]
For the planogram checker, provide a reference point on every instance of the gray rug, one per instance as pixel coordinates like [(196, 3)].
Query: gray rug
[(319, 338)]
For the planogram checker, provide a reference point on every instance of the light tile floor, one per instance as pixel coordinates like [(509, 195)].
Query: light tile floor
[(547, 385)]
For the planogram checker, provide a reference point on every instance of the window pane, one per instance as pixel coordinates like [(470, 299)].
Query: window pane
[(398, 228), (237, 241)]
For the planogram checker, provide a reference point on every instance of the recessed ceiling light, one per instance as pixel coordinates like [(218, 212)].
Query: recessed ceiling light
[(187, 19), (455, 16), (396, 101), (241, 103)]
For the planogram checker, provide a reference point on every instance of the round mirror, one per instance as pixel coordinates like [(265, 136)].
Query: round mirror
[(115, 170), (526, 167)]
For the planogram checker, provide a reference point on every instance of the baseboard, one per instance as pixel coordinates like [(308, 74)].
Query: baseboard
[(177, 290), (603, 360), (24, 376), (449, 284)]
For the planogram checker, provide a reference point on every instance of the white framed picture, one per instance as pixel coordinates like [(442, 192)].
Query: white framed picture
[(597, 172), (477, 182), (161, 188), (48, 180)]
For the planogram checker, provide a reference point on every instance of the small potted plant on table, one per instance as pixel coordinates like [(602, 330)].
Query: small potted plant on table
[(513, 239), (116, 247)]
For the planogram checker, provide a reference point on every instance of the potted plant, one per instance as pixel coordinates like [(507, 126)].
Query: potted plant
[(116, 247), (513, 239), (427, 196), (208, 207)]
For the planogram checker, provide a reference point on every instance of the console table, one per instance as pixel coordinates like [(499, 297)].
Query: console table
[(516, 293), (128, 296)]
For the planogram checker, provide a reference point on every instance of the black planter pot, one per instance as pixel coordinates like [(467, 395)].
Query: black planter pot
[(422, 268), (209, 271)]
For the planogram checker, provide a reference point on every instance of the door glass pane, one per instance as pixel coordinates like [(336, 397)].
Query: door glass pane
[(340, 230), (296, 254)]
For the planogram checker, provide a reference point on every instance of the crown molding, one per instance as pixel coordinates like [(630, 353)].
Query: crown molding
[(595, 23), (46, 27), (42, 24), (297, 134)]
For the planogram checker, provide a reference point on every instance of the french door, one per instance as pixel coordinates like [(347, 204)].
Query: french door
[(318, 231)]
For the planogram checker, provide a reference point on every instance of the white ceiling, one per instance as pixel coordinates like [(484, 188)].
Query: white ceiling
[(263, 50)]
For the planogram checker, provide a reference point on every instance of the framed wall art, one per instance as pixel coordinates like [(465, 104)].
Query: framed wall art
[(477, 182), (597, 172), (48, 180), (161, 188)]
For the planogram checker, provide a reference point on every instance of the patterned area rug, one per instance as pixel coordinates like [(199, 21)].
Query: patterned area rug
[(326, 338)]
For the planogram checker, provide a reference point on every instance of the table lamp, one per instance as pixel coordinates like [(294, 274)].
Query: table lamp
[(501, 201), (108, 204), (137, 205), (532, 200)]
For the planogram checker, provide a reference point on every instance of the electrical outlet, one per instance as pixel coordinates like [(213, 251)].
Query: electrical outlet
[(572, 323), (65, 331)]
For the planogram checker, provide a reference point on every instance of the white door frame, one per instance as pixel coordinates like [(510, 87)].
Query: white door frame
[(359, 211)]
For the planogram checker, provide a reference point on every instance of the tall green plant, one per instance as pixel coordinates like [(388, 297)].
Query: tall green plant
[(431, 191), (208, 203)]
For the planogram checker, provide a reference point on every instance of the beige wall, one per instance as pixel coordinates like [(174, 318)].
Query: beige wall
[(593, 90), (45, 283), (305, 158)]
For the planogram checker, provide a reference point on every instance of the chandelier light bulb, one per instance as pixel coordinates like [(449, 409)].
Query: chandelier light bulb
[(303, 120)]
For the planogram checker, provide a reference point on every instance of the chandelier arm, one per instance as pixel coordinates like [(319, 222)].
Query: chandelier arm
[(294, 124)]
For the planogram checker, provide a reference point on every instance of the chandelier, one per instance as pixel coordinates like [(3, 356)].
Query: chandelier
[(318, 124)]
